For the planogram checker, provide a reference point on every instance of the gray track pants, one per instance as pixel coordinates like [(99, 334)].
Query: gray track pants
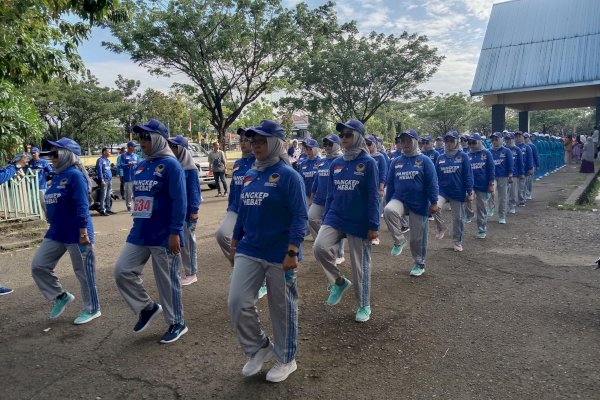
[(188, 252), (419, 228), (481, 206), (458, 218), (325, 250), (282, 293), (128, 186), (513, 193), (84, 265), (502, 193), (225, 232), (522, 189), (315, 220), (128, 275), (529, 186)]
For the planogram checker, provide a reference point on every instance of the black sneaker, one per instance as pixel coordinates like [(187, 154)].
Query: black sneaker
[(174, 332), (110, 212), (146, 317)]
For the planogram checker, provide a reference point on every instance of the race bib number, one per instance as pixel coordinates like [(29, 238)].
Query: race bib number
[(142, 207)]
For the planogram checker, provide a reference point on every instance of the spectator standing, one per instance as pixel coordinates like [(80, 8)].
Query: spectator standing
[(217, 163), (129, 161), (122, 151), (44, 170), (105, 178)]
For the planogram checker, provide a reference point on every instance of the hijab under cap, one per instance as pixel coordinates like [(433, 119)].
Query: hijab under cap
[(358, 145), (67, 159), (276, 151)]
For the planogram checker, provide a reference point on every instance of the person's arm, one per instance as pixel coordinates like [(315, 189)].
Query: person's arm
[(8, 172), (193, 193), (79, 195), (491, 172), (390, 183), (296, 196), (177, 195), (467, 177), (431, 185), (373, 202)]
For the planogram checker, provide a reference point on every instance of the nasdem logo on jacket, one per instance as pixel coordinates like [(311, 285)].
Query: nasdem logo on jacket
[(273, 179)]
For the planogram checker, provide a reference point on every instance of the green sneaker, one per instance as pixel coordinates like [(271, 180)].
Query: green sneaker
[(262, 292), (480, 235), (336, 292), (86, 317), (60, 304), (490, 211), (502, 220), (363, 314), (397, 250), (417, 270)]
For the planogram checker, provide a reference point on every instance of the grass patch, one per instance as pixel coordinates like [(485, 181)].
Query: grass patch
[(589, 196)]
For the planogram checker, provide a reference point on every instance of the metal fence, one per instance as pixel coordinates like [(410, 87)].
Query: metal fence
[(20, 198)]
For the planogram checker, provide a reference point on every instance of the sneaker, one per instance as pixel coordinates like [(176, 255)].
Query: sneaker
[(218, 195), (109, 212), (262, 292), (458, 247), (5, 290), (480, 235), (128, 208), (336, 292), (404, 229), (502, 220), (363, 314), (397, 249), (86, 317), (431, 219), (174, 332), (188, 280), (417, 270), (512, 210), (339, 260), (490, 212), (529, 198), (440, 234), (521, 204), (375, 242), (469, 220), (146, 317), (280, 371), (60, 304), (255, 363)]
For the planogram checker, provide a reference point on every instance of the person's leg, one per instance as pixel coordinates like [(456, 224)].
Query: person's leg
[(283, 309), (325, 251), (458, 221), (225, 231), (469, 212), (529, 187), (360, 260), (121, 187), (84, 265), (513, 193), (103, 191), (492, 200), (521, 194), (419, 229), (481, 207), (217, 182), (392, 215), (188, 252), (108, 196), (42, 268), (502, 188), (224, 181), (166, 274), (128, 276), (315, 219), (439, 217), (128, 194)]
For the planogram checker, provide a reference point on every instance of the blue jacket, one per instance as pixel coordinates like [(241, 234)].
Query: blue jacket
[(455, 176), (536, 156), (321, 182), (43, 169), (240, 167), (518, 166), (103, 169), (308, 170), (528, 162), (193, 191), (158, 190), (484, 172), (67, 207), (128, 170), (352, 204), (382, 167), (7, 172), (394, 154), (503, 161), (432, 154), (265, 230), (413, 181)]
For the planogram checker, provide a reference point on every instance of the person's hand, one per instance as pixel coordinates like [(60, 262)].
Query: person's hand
[(372, 235), (84, 239), (381, 192), (433, 209), (103, 183), (290, 262), (194, 217), (522, 178), (470, 197), (530, 172), (510, 179), (174, 244), (491, 188)]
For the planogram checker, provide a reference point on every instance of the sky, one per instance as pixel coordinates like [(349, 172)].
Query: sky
[(455, 27)]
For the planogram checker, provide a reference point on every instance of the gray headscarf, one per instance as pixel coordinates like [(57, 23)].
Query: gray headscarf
[(499, 143), (451, 151), (316, 153), (588, 150), (373, 150), (414, 151), (67, 159), (185, 158), (478, 146), (276, 151), (335, 152), (358, 145), (160, 147)]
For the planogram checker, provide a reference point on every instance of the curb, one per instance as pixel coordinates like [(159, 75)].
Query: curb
[(20, 245), (581, 190)]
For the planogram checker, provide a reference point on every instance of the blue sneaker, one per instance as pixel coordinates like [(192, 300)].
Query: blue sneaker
[(417, 270), (336, 292), (397, 249), (146, 317), (86, 317), (363, 314), (174, 332), (60, 304), (262, 292), (5, 290)]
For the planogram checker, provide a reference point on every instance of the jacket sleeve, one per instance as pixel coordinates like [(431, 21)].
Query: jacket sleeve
[(296, 196), (390, 183), (99, 169), (80, 198), (491, 169), (510, 162), (383, 169), (520, 165), (315, 184), (178, 198), (467, 175), (431, 182), (536, 156), (373, 202), (6, 173), (330, 187), (193, 192)]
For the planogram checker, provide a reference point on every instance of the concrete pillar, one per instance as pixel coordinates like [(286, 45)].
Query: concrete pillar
[(498, 117), (524, 121)]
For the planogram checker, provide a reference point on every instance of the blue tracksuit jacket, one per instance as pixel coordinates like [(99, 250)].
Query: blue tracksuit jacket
[(413, 181), (455, 176), (503, 161), (321, 182), (240, 167), (482, 164), (308, 170)]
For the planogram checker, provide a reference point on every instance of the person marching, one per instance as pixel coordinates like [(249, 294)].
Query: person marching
[(129, 161), (266, 243), (503, 173), (159, 211), (536, 163), (331, 144), (105, 178), (518, 171), (455, 179), (428, 149), (528, 164), (308, 167), (179, 146), (412, 188), (382, 168), (67, 205), (482, 164), (44, 170), (351, 211)]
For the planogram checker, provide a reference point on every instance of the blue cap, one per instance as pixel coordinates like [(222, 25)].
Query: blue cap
[(267, 128), (526, 135), (452, 134), (179, 140), (371, 138), (509, 136), (475, 136), (67, 144), (310, 142), (410, 132), (35, 150), (353, 124), (379, 140), (131, 144), (153, 126), (332, 138), (427, 138), (241, 131), (496, 134)]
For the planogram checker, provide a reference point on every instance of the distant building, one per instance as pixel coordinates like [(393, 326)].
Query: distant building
[(300, 126)]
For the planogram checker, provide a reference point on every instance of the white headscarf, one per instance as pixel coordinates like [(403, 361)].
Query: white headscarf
[(67, 159), (276, 151)]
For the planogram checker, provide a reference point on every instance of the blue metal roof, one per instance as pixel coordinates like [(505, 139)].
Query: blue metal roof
[(535, 44)]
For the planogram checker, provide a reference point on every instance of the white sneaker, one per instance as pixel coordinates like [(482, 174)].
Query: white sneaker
[(375, 241), (458, 247), (188, 280), (255, 363), (280, 371), (339, 260)]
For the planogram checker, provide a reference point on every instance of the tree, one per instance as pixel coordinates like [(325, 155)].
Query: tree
[(563, 121), (440, 114), (352, 76), (254, 113), (232, 51)]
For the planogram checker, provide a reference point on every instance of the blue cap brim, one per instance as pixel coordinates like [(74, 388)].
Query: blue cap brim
[(56, 144), (340, 126)]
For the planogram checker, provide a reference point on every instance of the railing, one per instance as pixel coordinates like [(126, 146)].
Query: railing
[(20, 198)]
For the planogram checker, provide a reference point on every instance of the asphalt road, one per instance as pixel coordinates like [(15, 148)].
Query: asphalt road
[(514, 316)]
